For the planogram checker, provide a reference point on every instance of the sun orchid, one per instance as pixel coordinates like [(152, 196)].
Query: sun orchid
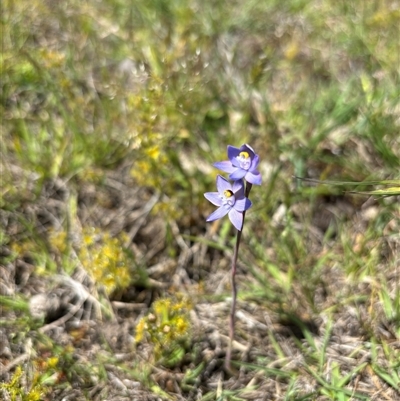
[(231, 201), (242, 163)]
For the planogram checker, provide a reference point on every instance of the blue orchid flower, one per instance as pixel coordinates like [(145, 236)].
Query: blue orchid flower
[(231, 201), (242, 163)]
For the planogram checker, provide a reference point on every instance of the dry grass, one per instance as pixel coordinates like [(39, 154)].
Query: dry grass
[(112, 116)]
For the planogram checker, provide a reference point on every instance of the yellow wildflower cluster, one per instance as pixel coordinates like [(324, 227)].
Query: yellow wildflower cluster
[(168, 208), (150, 163), (24, 248), (16, 388), (58, 240), (167, 328), (153, 168), (105, 259), (35, 251)]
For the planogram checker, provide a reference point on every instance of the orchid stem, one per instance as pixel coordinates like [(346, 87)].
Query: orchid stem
[(234, 289)]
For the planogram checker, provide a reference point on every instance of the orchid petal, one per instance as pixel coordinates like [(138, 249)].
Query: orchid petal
[(254, 163), (214, 198), (238, 188), (225, 166), (233, 152), (236, 219), (248, 149), (238, 174), (242, 204), (254, 177), (223, 184), (219, 213)]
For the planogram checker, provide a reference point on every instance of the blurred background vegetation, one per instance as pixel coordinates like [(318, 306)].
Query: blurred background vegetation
[(112, 115)]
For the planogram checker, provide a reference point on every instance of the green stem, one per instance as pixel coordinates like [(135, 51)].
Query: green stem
[(234, 289)]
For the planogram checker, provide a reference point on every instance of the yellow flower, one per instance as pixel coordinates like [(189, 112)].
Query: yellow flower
[(105, 260), (52, 362), (140, 328), (181, 325), (154, 152)]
